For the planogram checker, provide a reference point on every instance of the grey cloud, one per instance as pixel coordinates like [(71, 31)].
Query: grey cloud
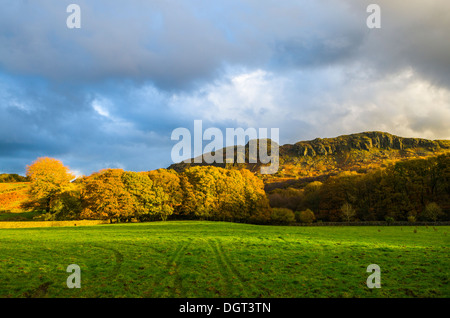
[(413, 34), (39, 119), (177, 44), (142, 54)]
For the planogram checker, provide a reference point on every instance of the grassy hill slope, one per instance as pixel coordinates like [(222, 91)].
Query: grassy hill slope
[(317, 159)]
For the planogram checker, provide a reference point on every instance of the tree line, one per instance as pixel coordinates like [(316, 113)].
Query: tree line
[(412, 190), (12, 177), (207, 193)]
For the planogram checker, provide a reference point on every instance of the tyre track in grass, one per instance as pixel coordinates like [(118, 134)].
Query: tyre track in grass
[(142, 245), (173, 270), (228, 271), (233, 268), (42, 290), (38, 292), (118, 257)]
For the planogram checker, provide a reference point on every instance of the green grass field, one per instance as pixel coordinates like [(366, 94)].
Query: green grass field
[(215, 259)]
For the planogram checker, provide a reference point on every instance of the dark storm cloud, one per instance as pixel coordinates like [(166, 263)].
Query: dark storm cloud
[(42, 121), (110, 93), (177, 43), (169, 43), (413, 34)]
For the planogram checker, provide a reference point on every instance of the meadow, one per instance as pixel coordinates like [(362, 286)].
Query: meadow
[(220, 259), (12, 196)]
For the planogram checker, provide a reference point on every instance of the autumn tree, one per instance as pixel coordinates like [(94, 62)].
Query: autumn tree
[(223, 194), (168, 191), (348, 212), (49, 178), (188, 204), (203, 181), (141, 188), (310, 197), (232, 193), (255, 198), (432, 211), (67, 204), (306, 216), (282, 216), (105, 197)]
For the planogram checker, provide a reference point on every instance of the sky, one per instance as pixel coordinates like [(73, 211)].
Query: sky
[(110, 94)]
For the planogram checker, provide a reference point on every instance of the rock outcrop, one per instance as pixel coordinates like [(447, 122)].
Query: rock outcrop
[(362, 141)]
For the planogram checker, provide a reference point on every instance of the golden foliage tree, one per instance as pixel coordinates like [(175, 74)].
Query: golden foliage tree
[(49, 178), (105, 197), (223, 194), (169, 195), (204, 192)]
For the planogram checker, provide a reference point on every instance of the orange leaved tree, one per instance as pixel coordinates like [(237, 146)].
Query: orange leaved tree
[(49, 178), (105, 197)]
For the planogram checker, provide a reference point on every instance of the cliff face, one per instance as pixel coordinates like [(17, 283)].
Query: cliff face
[(327, 156), (361, 141)]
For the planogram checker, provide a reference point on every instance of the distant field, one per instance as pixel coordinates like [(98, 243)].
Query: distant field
[(12, 195), (34, 224), (215, 259)]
